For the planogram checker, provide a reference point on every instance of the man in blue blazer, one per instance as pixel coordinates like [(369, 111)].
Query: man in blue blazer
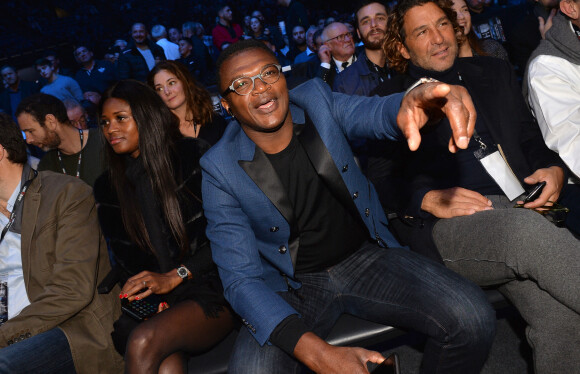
[(300, 237)]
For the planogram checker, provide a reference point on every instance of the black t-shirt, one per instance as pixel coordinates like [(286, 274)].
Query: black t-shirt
[(328, 232)]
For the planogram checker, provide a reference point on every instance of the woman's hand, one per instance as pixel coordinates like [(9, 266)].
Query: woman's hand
[(146, 283)]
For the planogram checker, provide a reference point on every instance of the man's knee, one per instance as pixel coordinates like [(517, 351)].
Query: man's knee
[(476, 321), (251, 358)]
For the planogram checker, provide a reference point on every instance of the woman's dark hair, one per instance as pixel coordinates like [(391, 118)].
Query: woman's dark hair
[(475, 44), (396, 30), (158, 131), (12, 140), (197, 98)]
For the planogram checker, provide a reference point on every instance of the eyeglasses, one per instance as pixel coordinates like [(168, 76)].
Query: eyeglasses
[(80, 123), (341, 37), (245, 85)]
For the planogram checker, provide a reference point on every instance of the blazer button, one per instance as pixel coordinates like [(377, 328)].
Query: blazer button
[(345, 168), (274, 228), (355, 195), (282, 249), (367, 212)]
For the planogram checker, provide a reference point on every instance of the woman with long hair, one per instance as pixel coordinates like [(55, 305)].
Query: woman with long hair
[(472, 45), (188, 100), (150, 209)]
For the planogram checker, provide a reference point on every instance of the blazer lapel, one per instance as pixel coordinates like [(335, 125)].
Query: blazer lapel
[(263, 174), (29, 218), (324, 164), (480, 87)]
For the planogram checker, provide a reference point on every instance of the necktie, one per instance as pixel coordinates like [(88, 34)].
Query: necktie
[(344, 65)]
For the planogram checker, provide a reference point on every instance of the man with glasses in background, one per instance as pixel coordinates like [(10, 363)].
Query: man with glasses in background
[(337, 52)]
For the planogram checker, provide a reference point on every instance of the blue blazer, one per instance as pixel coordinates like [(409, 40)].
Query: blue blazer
[(250, 218), (357, 79)]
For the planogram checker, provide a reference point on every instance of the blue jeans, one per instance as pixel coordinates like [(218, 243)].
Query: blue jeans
[(45, 353), (394, 287)]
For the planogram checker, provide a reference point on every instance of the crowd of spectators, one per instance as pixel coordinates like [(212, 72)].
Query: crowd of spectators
[(146, 69)]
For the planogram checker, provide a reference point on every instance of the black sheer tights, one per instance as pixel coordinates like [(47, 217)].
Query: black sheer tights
[(158, 344)]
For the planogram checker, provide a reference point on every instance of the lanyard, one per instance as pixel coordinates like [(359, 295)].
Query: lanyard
[(17, 205), (80, 157)]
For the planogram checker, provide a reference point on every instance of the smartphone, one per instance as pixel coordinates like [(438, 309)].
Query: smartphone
[(389, 366), (535, 192), (141, 309)]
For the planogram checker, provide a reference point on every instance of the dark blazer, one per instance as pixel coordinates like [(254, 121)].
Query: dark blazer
[(357, 79), (250, 219), (132, 64), (26, 89), (101, 77), (493, 87), (311, 69)]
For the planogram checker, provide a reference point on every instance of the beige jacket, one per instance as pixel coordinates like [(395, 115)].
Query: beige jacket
[(64, 257)]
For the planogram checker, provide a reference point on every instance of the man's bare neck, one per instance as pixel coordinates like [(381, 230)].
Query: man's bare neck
[(70, 140), (10, 175), (377, 57)]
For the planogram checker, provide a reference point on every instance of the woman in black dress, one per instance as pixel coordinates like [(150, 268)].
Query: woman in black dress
[(150, 210)]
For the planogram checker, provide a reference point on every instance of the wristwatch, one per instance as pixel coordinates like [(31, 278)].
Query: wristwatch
[(183, 273), (420, 82)]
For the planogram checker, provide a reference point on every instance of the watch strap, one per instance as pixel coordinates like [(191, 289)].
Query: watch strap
[(420, 82)]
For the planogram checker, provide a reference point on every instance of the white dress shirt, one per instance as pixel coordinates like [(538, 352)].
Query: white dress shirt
[(11, 264)]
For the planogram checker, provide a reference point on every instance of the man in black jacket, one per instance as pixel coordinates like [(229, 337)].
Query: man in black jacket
[(16, 91), (140, 56), (464, 208)]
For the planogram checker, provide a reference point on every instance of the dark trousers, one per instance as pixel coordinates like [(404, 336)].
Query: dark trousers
[(394, 287)]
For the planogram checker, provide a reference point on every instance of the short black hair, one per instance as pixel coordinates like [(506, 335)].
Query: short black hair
[(8, 67), (186, 39), (49, 52), (234, 50), (42, 62), (220, 5), (79, 45), (361, 4), (317, 34), (12, 140), (41, 104)]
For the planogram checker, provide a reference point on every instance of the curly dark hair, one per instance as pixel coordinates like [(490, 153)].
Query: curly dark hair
[(197, 98), (396, 33)]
